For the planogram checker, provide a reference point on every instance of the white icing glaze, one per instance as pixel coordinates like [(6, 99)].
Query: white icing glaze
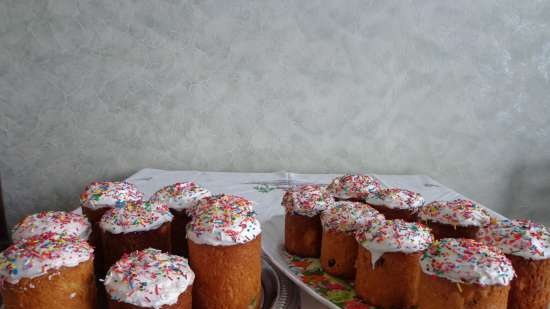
[(37, 255), (347, 216), (307, 200), (394, 236), (353, 186), (135, 217), (109, 194), (522, 238), (458, 213), (395, 198), (149, 278), (467, 261), (60, 222), (223, 220), (181, 195)]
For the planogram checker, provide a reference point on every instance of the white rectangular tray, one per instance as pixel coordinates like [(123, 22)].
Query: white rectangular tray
[(266, 189)]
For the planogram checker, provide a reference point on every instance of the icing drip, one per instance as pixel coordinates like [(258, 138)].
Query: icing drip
[(394, 236)]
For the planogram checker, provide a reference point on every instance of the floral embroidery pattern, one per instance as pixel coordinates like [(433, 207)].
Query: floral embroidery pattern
[(265, 188), (338, 291)]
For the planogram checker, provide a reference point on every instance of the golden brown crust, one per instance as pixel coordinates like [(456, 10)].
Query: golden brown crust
[(303, 235), (67, 287), (530, 289), (226, 277), (392, 283), (392, 214), (115, 245), (338, 254), (179, 239), (184, 302), (437, 293), (440, 230)]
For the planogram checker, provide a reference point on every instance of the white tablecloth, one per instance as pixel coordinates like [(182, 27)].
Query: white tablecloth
[(266, 189)]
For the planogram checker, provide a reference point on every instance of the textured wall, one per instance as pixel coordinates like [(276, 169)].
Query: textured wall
[(459, 90)]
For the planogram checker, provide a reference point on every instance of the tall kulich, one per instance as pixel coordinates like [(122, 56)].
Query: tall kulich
[(339, 247), (454, 219), (527, 245), (48, 271), (464, 273), (396, 203), (150, 278), (136, 226), (388, 273), (303, 206), (181, 198), (224, 240), (95, 200)]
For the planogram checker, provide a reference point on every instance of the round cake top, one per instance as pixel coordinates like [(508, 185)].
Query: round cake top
[(395, 198), (353, 186), (37, 255), (223, 220), (467, 261), (102, 194), (458, 213), (307, 200), (395, 236), (135, 217), (348, 217), (149, 278), (60, 222), (523, 238), (180, 196)]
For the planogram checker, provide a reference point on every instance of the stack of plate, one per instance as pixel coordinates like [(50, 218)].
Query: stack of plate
[(278, 291)]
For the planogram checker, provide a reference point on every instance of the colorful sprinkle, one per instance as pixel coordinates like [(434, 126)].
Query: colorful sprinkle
[(395, 236), (395, 198), (36, 255), (135, 216), (467, 261), (523, 238), (458, 213), (353, 186), (60, 222), (348, 217), (181, 195), (223, 220), (109, 194), (149, 278), (307, 200)]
